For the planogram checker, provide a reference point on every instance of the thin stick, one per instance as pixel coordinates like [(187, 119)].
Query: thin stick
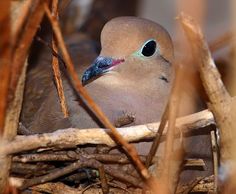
[(130, 149), (55, 67), (215, 159), (192, 185), (107, 158), (52, 175), (5, 73), (103, 179), (21, 20), (173, 111), (5, 58), (157, 139), (58, 188), (52, 50), (221, 41), (82, 163), (25, 42)]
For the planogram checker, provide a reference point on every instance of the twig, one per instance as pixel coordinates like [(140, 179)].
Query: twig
[(25, 42), (72, 137), (125, 119), (5, 73), (118, 186), (11, 124), (55, 67), (196, 162), (89, 186), (220, 101), (107, 158), (204, 185), (221, 41), (215, 159), (30, 169), (52, 50), (109, 183), (123, 176), (5, 58), (156, 141), (192, 185), (79, 175), (173, 111), (130, 149), (103, 179), (53, 175), (58, 188), (82, 163), (20, 20)]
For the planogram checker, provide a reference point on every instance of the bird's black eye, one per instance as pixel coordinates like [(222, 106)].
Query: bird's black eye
[(149, 48)]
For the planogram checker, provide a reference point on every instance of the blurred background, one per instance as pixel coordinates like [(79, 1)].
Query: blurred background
[(216, 13)]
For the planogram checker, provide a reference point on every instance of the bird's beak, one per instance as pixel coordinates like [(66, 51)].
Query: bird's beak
[(100, 66)]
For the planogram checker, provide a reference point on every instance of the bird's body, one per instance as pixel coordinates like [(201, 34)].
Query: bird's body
[(133, 83)]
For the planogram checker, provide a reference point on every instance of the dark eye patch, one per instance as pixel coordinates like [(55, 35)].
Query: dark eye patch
[(149, 48)]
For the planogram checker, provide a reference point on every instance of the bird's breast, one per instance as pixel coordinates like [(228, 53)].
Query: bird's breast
[(116, 99)]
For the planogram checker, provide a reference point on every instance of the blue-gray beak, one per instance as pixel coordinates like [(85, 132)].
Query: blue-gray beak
[(100, 66)]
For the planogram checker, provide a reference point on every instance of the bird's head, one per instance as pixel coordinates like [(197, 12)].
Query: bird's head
[(133, 47)]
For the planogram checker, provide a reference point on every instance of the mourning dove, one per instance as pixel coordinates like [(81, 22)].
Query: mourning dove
[(133, 75), (134, 69)]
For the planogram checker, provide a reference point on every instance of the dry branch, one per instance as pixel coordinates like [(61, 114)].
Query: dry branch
[(82, 163), (221, 103), (215, 159), (157, 139), (19, 14), (21, 51), (72, 156), (56, 69), (58, 188), (199, 185), (5, 66), (103, 179), (168, 170), (72, 137), (54, 174), (5, 58), (10, 127)]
